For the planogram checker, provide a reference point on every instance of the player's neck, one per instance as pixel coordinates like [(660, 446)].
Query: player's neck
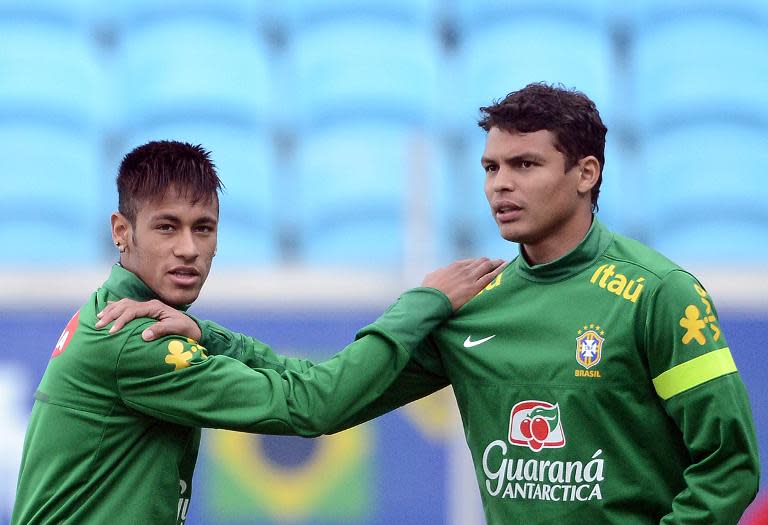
[(560, 242)]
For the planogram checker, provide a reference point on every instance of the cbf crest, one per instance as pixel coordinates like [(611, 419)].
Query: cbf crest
[(589, 345)]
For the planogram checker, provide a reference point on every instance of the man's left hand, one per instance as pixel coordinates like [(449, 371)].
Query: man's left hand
[(170, 320)]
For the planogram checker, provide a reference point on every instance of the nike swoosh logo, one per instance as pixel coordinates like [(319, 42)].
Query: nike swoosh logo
[(469, 343)]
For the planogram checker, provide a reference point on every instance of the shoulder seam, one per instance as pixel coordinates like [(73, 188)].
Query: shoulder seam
[(660, 275)]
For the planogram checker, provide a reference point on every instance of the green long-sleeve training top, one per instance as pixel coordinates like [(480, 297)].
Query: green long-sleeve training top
[(115, 428), (597, 388)]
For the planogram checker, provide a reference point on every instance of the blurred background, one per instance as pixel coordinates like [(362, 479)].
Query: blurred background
[(345, 133)]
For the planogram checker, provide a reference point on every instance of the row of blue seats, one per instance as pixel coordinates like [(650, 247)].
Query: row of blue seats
[(127, 12), (355, 193), (172, 76), (208, 67)]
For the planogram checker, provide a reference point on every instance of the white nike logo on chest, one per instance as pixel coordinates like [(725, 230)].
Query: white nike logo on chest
[(469, 343)]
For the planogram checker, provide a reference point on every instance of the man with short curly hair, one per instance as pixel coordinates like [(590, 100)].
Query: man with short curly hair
[(594, 381)]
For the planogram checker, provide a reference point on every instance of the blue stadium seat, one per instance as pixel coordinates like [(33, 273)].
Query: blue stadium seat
[(654, 11), (362, 188), (697, 167), (130, 12), (193, 67), (299, 13), (245, 161), (719, 241), (50, 212), (695, 65), (702, 177), (506, 54), (49, 72), (619, 190), (58, 12), (364, 67), (477, 13)]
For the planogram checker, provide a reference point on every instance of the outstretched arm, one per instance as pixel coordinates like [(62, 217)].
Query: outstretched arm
[(423, 375), (218, 340), (173, 378)]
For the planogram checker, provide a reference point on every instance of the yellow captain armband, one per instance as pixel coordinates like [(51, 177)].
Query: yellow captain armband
[(694, 372)]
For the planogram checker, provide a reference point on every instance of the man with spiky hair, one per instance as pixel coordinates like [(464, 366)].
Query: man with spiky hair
[(115, 429), (593, 378)]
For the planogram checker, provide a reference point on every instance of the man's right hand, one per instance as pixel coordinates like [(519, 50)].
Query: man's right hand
[(462, 280), (171, 321)]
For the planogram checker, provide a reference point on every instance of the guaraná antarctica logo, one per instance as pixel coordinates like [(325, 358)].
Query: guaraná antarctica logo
[(515, 473), (536, 425)]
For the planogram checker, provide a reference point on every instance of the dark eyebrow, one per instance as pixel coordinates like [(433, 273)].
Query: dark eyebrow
[(166, 217), (528, 156), (173, 218), (206, 220)]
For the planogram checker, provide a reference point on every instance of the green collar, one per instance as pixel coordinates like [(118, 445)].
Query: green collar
[(582, 256), (126, 284)]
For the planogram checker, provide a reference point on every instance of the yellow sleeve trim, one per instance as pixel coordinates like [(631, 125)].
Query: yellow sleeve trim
[(694, 372)]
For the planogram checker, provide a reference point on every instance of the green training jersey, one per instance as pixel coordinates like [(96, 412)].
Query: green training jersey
[(598, 388), (114, 431)]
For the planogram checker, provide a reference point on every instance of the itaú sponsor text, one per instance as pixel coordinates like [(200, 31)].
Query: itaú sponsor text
[(518, 478)]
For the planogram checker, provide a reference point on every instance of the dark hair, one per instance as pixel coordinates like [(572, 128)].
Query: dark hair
[(150, 170), (569, 114)]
